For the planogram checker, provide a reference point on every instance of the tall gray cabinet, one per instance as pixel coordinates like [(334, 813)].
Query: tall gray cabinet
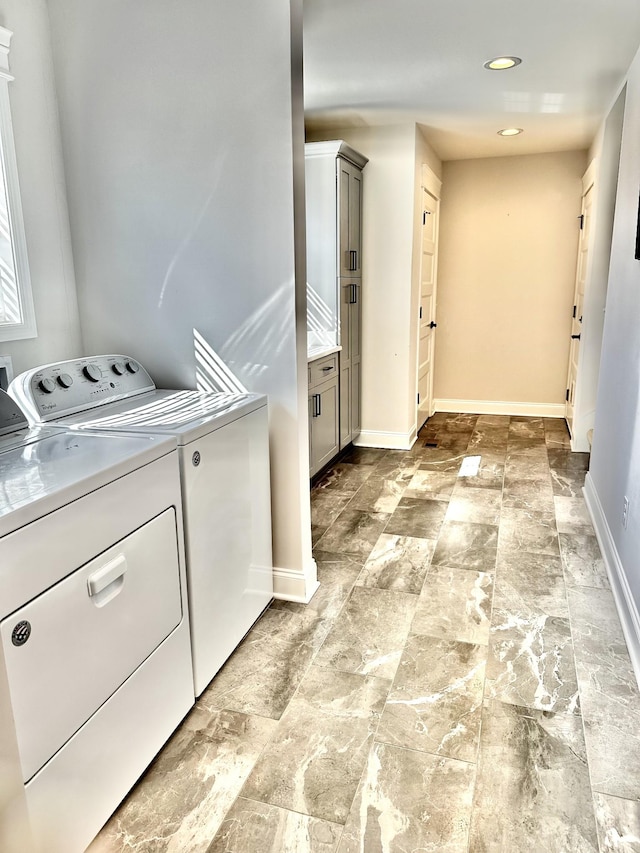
[(333, 173)]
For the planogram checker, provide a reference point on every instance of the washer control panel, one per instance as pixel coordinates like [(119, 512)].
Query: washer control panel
[(56, 390)]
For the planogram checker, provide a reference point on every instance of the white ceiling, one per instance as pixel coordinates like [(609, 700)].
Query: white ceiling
[(370, 62)]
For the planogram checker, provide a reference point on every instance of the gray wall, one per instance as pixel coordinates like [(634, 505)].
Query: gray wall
[(44, 204), (615, 459), (177, 134)]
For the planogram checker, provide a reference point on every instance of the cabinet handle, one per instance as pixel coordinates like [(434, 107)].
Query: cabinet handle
[(353, 260), (327, 369), (317, 407), (319, 404), (353, 294)]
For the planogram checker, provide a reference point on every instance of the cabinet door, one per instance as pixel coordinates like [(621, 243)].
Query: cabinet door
[(350, 357), (355, 324), (324, 424), (349, 179)]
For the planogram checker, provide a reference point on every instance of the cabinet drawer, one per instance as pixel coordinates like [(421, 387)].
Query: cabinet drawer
[(323, 369)]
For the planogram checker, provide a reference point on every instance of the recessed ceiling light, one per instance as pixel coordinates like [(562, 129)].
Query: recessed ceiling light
[(501, 63), (510, 131)]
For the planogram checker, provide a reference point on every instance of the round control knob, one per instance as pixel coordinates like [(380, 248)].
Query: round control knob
[(132, 367), (65, 380), (92, 372), (118, 367), (47, 385)]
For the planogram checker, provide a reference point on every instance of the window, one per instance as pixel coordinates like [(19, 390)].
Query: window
[(17, 318)]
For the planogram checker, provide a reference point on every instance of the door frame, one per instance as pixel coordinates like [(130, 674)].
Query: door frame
[(432, 184), (573, 401)]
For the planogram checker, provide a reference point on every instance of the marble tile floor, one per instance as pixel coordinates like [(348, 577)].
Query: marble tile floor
[(459, 683)]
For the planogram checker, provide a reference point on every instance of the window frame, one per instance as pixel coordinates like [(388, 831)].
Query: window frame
[(8, 163)]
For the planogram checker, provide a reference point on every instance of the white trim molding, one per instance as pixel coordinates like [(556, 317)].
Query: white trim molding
[(498, 407), (386, 440), (292, 585), (626, 606)]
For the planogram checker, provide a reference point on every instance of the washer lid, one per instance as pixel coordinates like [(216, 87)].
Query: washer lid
[(39, 477), (185, 414)]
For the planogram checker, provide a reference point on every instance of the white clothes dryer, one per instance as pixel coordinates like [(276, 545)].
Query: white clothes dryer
[(223, 447), (95, 658)]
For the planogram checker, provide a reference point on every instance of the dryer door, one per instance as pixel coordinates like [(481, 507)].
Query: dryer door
[(70, 648)]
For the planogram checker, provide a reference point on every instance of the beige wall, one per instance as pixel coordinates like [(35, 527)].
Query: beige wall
[(508, 244)]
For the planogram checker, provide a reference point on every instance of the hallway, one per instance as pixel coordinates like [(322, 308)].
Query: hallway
[(458, 683)]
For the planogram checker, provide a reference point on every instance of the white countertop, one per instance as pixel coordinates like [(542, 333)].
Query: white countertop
[(320, 350)]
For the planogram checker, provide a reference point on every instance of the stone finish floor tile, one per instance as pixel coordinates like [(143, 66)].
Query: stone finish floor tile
[(530, 581), (183, 797), (524, 530), (263, 673), (532, 793), (325, 508), (531, 661), (433, 485), (417, 517), (379, 494), (534, 495), (455, 604), (337, 574), (618, 824), (355, 532), (344, 478), (467, 546), (582, 560), (490, 471), (363, 455), (410, 801), (568, 484), (479, 506), (435, 703), (284, 720), (250, 827), (572, 515), (440, 459), (369, 634), (609, 693), (315, 759), (399, 563)]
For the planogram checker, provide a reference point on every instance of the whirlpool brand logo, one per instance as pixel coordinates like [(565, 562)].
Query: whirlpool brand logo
[(48, 407)]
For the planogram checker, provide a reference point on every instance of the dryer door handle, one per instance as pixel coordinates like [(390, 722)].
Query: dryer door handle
[(105, 576)]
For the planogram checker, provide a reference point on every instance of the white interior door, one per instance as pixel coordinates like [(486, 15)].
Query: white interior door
[(578, 304), (427, 309)]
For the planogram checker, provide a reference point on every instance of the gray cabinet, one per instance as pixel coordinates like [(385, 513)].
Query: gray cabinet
[(350, 358), (334, 260), (324, 408)]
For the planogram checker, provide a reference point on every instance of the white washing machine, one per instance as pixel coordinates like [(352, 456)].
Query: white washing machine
[(95, 657), (223, 446)]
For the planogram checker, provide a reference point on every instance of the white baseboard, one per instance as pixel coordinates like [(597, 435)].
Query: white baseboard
[(499, 407), (386, 440), (626, 606), (292, 585)]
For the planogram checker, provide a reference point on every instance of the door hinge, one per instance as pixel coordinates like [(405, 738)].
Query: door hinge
[(575, 308), (421, 312), (425, 213), (581, 218), (567, 396), (418, 398)]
